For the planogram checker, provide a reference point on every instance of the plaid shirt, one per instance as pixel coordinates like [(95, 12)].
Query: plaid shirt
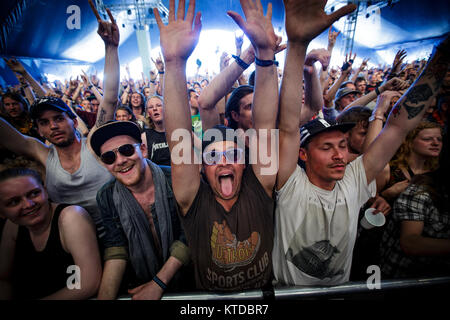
[(414, 204)]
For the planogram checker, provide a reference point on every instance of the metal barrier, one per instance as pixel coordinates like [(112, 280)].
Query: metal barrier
[(299, 292)]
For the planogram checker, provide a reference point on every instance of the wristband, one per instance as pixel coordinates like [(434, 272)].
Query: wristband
[(240, 62), (377, 91), (153, 81), (160, 283), (265, 63), (161, 72), (373, 117)]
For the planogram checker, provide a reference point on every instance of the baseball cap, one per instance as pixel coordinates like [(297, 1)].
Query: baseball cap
[(50, 103), (319, 125), (112, 129), (343, 92)]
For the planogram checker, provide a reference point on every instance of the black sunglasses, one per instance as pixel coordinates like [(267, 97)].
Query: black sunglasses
[(127, 150)]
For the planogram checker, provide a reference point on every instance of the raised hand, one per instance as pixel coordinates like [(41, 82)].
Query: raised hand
[(108, 31), (364, 64), (332, 36), (321, 55), (348, 63), (159, 63), (257, 27), (178, 38), (224, 61), (239, 41), (395, 84), (15, 65), (398, 60), (306, 19)]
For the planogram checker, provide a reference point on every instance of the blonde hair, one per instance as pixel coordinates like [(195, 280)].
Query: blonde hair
[(150, 123), (404, 152)]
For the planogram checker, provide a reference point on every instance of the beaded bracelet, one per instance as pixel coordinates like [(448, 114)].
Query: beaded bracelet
[(240, 62)]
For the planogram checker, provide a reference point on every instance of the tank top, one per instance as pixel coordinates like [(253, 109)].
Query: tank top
[(79, 188), (39, 274)]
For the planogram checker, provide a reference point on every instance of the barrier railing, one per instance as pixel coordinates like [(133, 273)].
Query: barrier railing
[(298, 292)]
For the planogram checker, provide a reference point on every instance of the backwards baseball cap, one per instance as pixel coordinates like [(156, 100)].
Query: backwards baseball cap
[(319, 125), (112, 129), (343, 92), (52, 103)]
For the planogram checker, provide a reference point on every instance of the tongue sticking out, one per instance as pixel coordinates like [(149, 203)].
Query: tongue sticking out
[(226, 185)]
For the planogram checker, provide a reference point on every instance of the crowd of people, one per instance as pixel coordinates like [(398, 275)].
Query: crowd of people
[(161, 184)]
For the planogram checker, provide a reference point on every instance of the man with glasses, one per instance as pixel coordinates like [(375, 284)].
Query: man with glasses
[(226, 208), (139, 215)]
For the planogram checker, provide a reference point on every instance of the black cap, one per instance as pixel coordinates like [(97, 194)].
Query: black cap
[(319, 125), (112, 129), (50, 103)]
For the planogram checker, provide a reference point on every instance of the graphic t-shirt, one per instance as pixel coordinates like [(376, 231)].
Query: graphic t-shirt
[(315, 229), (158, 149), (231, 250)]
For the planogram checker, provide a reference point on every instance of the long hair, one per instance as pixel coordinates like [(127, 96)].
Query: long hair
[(149, 120), (404, 152)]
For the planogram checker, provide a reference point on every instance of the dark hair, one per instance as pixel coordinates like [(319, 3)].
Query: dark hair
[(142, 105), (128, 110), (357, 114), (359, 79), (20, 172), (17, 97), (233, 103), (344, 84)]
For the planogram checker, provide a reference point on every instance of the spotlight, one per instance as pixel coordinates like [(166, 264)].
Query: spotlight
[(129, 11), (367, 16), (123, 25)]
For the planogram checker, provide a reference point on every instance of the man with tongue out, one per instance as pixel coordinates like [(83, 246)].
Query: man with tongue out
[(227, 208)]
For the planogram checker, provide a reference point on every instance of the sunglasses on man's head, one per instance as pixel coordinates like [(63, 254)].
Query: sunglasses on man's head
[(215, 157), (127, 150)]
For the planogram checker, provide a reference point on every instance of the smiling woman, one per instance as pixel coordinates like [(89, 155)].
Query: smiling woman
[(41, 243)]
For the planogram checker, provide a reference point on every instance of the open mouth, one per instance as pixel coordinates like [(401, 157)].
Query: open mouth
[(226, 184), (126, 170)]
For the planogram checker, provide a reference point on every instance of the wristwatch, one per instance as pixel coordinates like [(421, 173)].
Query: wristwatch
[(373, 117)]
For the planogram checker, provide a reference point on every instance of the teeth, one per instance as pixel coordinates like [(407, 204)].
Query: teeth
[(31, 212), (125, 170)]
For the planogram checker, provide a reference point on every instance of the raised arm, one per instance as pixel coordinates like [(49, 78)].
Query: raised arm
[(219, 87), (22, 144), (259, 30), (178, 40), (313, 88), (109, 32), (305, 19), (394, 84), (17, 67), (408, 111)]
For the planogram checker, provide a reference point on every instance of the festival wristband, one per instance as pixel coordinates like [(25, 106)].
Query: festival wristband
[(265, 63), (240, 62), (160, 283)]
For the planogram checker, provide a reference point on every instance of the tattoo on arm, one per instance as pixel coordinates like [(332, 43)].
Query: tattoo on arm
[(101, 117), (416, 95)]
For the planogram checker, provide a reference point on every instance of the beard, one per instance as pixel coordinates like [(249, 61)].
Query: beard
[(65, 143)]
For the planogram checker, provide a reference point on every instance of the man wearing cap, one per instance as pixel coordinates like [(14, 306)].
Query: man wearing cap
[(227, 215), (139, 215), (73, 175), (317, 208)]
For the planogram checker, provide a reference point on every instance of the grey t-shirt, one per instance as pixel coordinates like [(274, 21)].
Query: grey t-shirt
[(79, 188)]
